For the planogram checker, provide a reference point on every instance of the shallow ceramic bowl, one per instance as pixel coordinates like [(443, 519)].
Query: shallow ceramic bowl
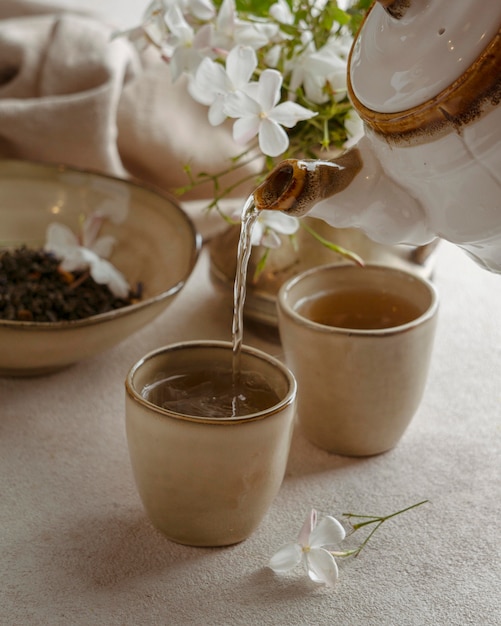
[(157, 245)]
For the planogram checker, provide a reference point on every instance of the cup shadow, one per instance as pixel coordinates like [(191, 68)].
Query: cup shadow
[(305, 458), (108, 551)]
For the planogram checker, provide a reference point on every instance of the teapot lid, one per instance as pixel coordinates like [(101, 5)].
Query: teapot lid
[(408, 51)]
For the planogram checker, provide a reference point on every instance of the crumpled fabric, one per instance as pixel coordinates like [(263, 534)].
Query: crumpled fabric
[(72, 94)]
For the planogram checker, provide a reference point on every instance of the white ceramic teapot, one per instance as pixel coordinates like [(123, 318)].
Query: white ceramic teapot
[(425, 76)]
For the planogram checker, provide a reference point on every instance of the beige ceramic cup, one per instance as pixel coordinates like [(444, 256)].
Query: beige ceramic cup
[(358, 389), (207, 481)]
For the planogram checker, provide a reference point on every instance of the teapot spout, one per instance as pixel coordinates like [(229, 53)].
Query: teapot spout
[(295, 186)]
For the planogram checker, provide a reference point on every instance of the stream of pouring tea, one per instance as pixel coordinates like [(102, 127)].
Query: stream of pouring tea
[(249, 217), (215, 394)]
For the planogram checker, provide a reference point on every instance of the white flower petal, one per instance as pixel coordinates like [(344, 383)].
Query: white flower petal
[(104, 273), (307, 528), (202, 9), (210, 78), (286, 557), (184, 60), (74, 260), (252, 90), (240, 65), (273, 139), (103, 246), (176, 64), (199, 94), (174, 19), (59, 237), (282, 12), (216, 111), (226, 16), (239, 104), (329, 531), (257, 233), (113, 210), (314, 88), (354, 127), (289, 113), (270, 239), (245, 129), (322, 567), (254, 35), (203, 40), (272, 56), (280, 222), (270, 83)]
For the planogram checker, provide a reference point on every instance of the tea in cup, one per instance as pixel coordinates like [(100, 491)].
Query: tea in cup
[(208, 445), (359, 342)]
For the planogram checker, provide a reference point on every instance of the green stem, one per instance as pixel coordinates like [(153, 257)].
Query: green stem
[(202, 178), (372, 519), (375, 519), (352, 256)]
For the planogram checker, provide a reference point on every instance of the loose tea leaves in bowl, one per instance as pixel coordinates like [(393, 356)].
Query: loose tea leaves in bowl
[(33, 288), (73, 214)]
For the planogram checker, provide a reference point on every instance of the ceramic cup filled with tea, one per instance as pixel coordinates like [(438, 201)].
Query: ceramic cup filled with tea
[(208, 444), (359, 342)]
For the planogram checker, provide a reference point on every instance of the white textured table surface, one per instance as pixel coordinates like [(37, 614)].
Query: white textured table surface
[(77, 548)]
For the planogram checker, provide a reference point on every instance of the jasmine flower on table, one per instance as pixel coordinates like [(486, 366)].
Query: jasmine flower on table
[(313, 546), (310, 550)]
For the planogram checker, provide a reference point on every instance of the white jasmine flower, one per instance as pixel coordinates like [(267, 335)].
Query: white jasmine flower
[(314, 68), (262, 115), (111, 210), (269, 225), (185, 47), (257, 65), (281, 12), (336, 53), (213, 82), (341, 43), (309, 550), (203, 10), (272, 56), (154, 26), (230, 31), (313, 540), (152, 30), (255, 34), (90, 252)]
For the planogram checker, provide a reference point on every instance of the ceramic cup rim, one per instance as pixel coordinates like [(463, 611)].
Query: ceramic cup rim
[(288, 398), (287, 307)]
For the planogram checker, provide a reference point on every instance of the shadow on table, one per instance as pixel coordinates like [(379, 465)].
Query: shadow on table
[(306, 458), (108, 551)]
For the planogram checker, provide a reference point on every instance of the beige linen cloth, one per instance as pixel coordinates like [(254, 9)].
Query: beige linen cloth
[(70, 93)]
